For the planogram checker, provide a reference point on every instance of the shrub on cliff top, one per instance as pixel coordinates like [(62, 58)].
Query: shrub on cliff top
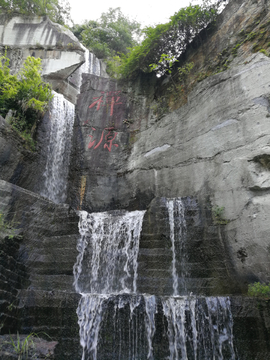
[(57, 10), (111, 35), (259, 290), (26, 94), (170, 39)]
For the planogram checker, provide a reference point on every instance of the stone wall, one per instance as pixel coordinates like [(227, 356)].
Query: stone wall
[(213, 152), (214, 148), (37, 269), (61, 52)]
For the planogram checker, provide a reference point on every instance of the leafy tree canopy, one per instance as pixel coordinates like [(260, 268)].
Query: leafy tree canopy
[(25, 94), (57, 10), (110, 35), (164, 43)]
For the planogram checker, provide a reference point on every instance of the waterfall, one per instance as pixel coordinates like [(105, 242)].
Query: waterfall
[(61, 114), (199, 328), (91, 65), (110, 243), (150, 310), (106, 265), (176, 210), (130, 327), (118, 323)]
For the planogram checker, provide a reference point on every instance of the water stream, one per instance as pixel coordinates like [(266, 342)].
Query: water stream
[(108, 251), (118, 323), (178, 228), (90, 66), (61, 114)]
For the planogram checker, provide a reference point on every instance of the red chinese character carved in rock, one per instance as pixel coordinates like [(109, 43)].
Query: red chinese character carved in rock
[(112, 99), (98, 102), (109, 138)]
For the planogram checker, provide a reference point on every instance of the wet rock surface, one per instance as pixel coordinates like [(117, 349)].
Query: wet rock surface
[(213, 153), (37, 271), (31, 347)]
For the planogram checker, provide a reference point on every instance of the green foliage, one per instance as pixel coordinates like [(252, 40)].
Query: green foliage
[(26, 94), (234, 50), (251, 36), (160, 107), (4, 225), (7, 227), (259, 290), (165, 42), (218, 216), (110, 35), (165, 59), (2, 222), (24, 347), (201, 76), (113, 65), (183, 71), (57, 10), (263, 51)]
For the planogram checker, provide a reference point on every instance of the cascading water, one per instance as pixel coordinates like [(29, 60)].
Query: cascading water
[(199, 328), (62, 114), (116, 322), (110, 243), (176, 210), (90, 66), (106, 265)]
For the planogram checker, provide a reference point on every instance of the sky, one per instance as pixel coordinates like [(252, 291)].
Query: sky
[(146, 12)]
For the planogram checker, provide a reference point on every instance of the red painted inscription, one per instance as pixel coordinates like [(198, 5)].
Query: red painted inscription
[(109, 98), (109, 137)]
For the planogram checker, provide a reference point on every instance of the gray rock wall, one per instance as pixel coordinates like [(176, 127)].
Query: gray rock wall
[(61, 52), (36, 276), (215, 148)]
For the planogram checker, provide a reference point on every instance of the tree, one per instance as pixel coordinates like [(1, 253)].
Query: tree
[(57, 10), (164, 43), (110, 35), (26, 94)]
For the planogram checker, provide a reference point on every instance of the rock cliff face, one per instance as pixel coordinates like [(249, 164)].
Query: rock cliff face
[(61, 52), (212, 153), (36, 268), (214, 148)]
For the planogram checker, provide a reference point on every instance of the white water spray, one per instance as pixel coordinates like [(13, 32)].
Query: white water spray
[(105, 273), (108, 251), (199, 328), (178, 230), (61, 114)]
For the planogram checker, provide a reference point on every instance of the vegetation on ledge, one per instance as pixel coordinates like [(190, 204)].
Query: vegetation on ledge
[(164, 43), (260, 290), (57, 10), (24, 97)]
